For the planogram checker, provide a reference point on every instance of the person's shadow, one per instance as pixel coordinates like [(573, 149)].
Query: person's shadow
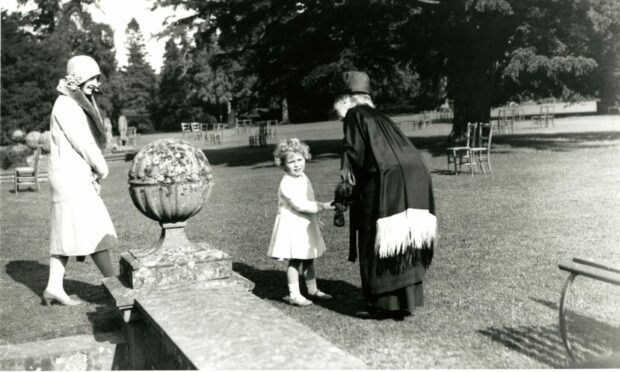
[(34, 275), (271, 285)]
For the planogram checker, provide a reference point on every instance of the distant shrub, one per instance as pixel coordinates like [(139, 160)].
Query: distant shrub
[(145, 128), (18, 155), (32, 139), (45, 142), (5, 162), (17, 136)]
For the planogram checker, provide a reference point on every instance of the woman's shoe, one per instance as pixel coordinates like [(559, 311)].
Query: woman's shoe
[(298, 301), (318, 295), (49, 298)]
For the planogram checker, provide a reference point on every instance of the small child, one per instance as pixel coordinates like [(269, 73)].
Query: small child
[(296, 235)]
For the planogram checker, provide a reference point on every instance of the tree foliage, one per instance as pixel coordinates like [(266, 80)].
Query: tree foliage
[(35, 49), (488, 51), (137, 92)]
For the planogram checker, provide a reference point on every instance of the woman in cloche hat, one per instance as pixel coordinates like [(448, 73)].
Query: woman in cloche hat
[(80, 223), (392, 213)]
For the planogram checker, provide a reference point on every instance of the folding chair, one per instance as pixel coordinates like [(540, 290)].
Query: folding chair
[(459, 155), (481, 145), (195, 130), (28, 176), (186, 129)]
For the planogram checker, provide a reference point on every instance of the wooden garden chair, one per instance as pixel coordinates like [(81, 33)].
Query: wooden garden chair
[(28, 176), (204, 131), (196, 130), (132, 134), (462, 155), (481, 145), (186, 129)]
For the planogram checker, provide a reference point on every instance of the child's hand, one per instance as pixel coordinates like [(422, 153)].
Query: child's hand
[(329, 206)]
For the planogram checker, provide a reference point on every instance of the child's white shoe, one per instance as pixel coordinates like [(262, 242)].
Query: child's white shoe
[(318, 295), (298, 301)]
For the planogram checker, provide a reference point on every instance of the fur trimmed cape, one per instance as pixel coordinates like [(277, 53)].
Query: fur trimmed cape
[(377, 151)]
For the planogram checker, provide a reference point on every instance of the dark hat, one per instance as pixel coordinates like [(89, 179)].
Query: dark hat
[(355, 82)]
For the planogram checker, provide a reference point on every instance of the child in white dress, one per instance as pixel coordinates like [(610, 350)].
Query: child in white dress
[(296, 236)]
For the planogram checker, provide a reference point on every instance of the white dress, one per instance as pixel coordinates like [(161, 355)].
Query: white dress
[(80, 223), (296, 231)]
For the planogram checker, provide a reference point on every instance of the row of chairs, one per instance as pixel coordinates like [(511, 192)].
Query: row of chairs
[(546, 117), (475, 151), (266, 129), (199, 131)]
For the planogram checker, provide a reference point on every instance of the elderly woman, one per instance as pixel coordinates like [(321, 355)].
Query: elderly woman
[(80, 223), (392, 210)]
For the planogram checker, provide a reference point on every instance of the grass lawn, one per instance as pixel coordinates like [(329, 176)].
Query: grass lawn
[(491, 292)]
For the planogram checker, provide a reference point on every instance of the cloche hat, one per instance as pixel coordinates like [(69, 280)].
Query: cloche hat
[(82, 68)]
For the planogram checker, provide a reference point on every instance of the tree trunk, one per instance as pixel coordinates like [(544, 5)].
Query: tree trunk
[(609, 86), (472, 84), (285, 119)]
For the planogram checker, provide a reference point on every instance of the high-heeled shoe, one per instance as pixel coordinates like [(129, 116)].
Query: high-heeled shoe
[(50, 298)]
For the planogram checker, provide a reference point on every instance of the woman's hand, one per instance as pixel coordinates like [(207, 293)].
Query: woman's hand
[(347, 176), (345, 172)]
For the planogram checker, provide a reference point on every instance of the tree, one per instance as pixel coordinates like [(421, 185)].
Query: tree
[(297, 71), (139, 80), (172, 90), (35, 49), (488, 51)]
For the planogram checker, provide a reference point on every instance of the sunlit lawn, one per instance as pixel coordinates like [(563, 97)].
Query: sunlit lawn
[(492, 290)]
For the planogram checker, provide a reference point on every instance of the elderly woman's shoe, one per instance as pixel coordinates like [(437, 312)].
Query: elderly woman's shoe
[(50, 298)]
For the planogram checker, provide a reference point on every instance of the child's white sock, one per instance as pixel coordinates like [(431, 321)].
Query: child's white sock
[(311, 285), (293, 289)]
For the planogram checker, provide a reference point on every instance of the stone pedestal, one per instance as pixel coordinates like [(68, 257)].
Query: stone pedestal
[(168, 270), (166, 267)]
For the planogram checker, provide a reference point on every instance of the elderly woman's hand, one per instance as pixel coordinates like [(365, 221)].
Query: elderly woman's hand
[(347, 176)]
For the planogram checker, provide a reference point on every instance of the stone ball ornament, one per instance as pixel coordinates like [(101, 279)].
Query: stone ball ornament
[(169, 181)]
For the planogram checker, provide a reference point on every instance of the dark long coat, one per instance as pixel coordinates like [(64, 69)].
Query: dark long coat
[(393, 194)]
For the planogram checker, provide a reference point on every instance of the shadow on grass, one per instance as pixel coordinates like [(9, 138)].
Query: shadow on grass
[(435, 145), (590, 339), (271, 285), (247, 156), (34, 275)]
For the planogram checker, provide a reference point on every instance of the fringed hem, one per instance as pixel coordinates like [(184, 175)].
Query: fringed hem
[(411, 228)]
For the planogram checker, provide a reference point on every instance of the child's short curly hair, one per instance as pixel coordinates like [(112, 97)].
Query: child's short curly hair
[(287, 146)]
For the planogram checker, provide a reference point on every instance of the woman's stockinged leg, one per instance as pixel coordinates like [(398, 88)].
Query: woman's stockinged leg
[(103, 262), (57, 275), (55, 291)]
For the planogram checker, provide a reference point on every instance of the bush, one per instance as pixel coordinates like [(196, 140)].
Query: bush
[(5, 162), (32, 139), (17, 155), (45, 142), (145, 128), (17, 136)]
